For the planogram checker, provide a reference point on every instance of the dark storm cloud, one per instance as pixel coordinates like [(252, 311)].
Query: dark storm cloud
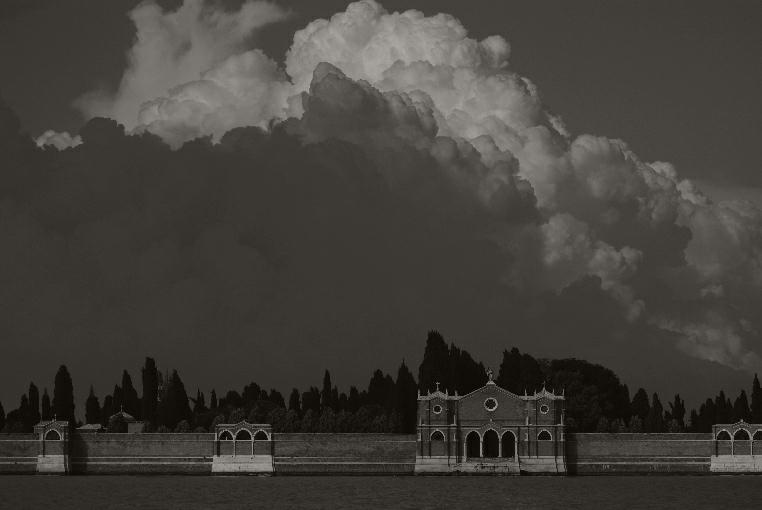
[(352, 229), (419, 182)]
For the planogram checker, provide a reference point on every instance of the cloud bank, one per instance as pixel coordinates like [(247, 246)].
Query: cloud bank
[(390, 167)]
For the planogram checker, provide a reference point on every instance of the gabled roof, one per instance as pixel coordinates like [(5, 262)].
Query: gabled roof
[(537, 395), (125, 416)]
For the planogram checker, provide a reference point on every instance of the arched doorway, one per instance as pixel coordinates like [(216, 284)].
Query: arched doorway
[(243, 435), (52, 435), (741, 435), (491, 444), (723, 435), (509, 445), (472, 445), (261, 435)]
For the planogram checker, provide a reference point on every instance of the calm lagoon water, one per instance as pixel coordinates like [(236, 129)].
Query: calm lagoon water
[(205, 492)]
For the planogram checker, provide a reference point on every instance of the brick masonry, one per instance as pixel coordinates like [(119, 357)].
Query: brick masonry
[(326, 454)]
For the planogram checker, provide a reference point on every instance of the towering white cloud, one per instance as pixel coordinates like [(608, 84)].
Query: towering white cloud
[(172, 48), (562, 208)]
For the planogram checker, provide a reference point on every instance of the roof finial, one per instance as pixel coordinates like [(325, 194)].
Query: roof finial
[(437, 386), (489, 375)]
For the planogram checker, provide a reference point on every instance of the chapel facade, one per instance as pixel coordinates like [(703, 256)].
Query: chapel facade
[(490, 430)]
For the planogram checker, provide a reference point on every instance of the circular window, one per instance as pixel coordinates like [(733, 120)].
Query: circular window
[(544, 409), (437, 409), (490, 404)]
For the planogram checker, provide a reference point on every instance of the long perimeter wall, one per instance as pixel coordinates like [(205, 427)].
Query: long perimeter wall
[(586, 454)]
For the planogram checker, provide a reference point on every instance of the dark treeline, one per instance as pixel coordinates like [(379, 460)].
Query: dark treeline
[(596, 401)]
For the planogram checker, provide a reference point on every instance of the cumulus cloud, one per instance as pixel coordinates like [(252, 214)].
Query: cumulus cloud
[(396, 138), (176, 47), (60, 140)]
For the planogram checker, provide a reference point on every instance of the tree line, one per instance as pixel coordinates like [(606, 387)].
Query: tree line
[(596, 400)]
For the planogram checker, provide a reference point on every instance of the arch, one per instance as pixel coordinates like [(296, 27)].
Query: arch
[(509, 444), (741, 435), (261, 435), (226, 435), (473, 449), (243, 435), (437, 436), (52, 435), (544, 435), (758, 435), (491, 444), (723, 435)]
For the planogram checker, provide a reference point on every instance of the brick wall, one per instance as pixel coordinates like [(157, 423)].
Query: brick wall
[(638, 453), (142, 453), (344, 453), (18, 453), (357, 453)]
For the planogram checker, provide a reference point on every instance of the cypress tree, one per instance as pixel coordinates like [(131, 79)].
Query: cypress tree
[(34, 404), (130, 396), (251, 394), (2, 416), (677, 411), (92, 408), (354, 401), (213, 400), (509, 373), (435, 364), (325, 395), (694, 426), (311, 401), (63, 396), (407, 404), (276, 398), (150, 376), (118, 399), (174, 408), (377, 389), (741, 408), (46, 411), (756, 401), (25, 414), (199, 406), (530, 372), (723, 408), (655, 420), (640, 405)]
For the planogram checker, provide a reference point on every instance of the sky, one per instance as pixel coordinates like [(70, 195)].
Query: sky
[(537, 228)]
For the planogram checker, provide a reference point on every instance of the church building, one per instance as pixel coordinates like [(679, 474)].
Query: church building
[(490, 430)]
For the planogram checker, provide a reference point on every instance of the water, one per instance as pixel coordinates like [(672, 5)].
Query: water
[(367, 493)]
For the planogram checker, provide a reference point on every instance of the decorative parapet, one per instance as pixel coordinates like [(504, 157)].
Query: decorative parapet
[(734, 448), (53, 453), (243, 447)]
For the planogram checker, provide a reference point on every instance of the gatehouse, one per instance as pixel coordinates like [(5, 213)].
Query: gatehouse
[(490, 430)]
